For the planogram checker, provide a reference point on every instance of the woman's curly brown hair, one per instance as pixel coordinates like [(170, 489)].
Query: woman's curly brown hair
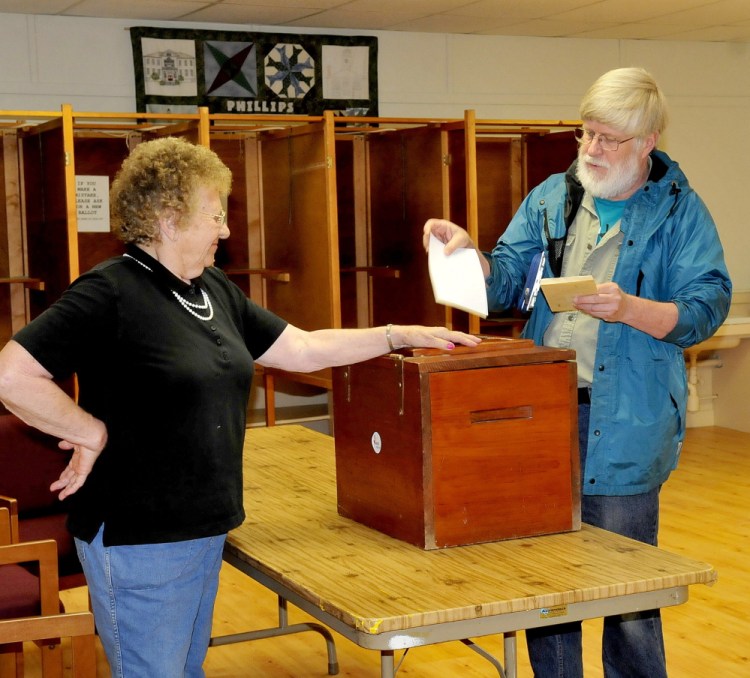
[(160, 175)]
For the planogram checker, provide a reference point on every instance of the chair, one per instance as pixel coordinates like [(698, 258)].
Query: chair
[(30, 607), (5, 527), (29, 462)]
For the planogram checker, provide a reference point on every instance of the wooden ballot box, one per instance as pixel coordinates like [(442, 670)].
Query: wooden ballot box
[(444, 448)]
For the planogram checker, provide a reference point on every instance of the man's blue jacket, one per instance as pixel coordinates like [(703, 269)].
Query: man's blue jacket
[(670, 252)]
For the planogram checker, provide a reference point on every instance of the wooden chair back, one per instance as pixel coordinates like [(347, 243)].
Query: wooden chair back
[(30, 461), (48, 626)]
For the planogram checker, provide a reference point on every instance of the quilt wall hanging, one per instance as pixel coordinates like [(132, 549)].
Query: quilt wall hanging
[(177, 70)]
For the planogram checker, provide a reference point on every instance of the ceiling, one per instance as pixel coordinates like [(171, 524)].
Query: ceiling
[(692, 20)]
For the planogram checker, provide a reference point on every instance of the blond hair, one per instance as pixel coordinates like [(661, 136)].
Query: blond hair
[(627, 99), (159, 175)]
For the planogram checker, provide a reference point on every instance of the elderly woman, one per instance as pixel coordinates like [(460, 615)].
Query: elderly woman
[(163, 345)]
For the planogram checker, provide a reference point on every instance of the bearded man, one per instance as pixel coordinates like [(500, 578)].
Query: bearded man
[(624, 213)]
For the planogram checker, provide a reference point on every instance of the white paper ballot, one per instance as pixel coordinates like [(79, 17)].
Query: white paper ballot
[(457, 280)]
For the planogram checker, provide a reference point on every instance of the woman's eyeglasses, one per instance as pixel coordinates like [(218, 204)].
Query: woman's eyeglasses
[(220, 218)]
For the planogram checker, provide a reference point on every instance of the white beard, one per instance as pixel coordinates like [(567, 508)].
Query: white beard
[(620, 179)]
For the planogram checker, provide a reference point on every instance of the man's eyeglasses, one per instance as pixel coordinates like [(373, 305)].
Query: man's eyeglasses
[(220, 218), (586, 136)]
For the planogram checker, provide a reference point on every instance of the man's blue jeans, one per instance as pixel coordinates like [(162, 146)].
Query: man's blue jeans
[(153, 604), (632, 645)]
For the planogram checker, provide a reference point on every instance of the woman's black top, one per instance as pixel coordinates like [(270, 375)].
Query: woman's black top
[(171, 388)]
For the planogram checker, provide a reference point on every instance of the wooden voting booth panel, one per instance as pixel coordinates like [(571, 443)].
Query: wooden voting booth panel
[(353, 232), (546, 154), (485, 177), (300, 235), (241, 252), (508, 167), (51, 246), (406, 189), (390, 181), (12, 294)]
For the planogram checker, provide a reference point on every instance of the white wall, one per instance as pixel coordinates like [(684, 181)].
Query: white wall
[(730, 387), (88, 63)]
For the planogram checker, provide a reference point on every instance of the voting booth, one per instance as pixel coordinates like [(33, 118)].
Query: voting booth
[(445, 448)]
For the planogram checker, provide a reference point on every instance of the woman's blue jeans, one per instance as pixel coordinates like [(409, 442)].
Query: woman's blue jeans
[(153, 604), (632, 645)]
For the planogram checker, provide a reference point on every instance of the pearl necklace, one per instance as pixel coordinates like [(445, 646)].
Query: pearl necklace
[(187, 305)]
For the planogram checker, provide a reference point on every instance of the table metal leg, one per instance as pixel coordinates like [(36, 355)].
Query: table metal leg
[(386, 664), (510, 651), (481, 651), (284, 629)]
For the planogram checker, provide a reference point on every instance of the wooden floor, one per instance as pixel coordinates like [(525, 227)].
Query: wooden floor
[(705, 515)]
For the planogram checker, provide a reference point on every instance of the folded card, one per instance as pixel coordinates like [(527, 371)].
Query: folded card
[(559, 292)]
